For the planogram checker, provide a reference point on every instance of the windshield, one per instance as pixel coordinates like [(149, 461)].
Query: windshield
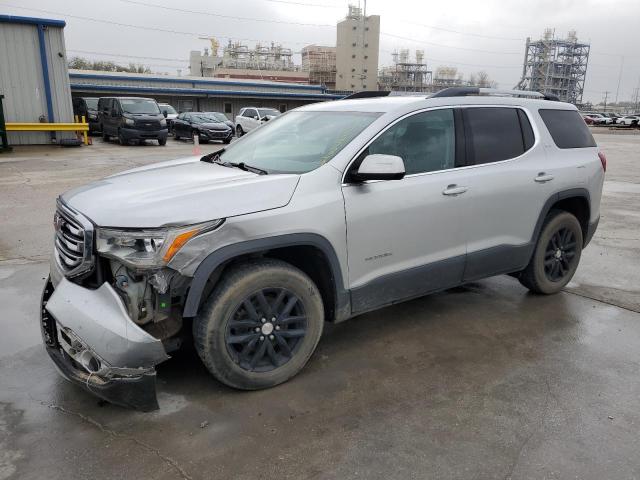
[(263, 112), (204, 118), (221, 117), (298, 142), (169, 109), (139, 105), (92, 103)]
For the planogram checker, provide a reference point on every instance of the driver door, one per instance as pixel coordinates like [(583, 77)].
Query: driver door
[(406, 237)]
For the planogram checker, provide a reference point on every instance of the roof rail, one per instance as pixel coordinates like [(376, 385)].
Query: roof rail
[(468, 91), (367, 94)]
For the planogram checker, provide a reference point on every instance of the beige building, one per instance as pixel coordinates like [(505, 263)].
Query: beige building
[(320, 62), (357, 45)]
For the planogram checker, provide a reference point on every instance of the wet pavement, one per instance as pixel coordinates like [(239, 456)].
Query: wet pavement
[(482, 381)]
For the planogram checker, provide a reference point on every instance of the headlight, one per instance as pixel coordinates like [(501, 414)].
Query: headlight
[(163, 122), (148, 248), (129, 121)]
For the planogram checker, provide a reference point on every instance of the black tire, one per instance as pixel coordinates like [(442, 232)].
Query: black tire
[(176, 136), (556, 255), (105, 137), (226, 141), (239, 131), (122, 139), (162, 142), (215, 328)]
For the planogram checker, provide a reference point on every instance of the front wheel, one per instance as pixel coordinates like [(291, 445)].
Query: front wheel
[(239, 131), (260, 326), (162, 142), (556, 255)]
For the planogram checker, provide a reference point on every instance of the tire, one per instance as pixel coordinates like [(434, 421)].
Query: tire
[(556, 255), (162, 142), (122, 140), (176, 136), (105, 137), (224, 318), (226, 141), (239, 131)]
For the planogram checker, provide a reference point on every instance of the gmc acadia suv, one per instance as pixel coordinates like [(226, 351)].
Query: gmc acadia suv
[(326, 212)]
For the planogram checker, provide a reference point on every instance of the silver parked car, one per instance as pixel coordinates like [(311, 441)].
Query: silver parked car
[(326, 212)]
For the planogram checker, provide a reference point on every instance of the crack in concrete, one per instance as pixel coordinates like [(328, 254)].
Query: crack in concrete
[(168, 460), (535, 430), (583, 295)]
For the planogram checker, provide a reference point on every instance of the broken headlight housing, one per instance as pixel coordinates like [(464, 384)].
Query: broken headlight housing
[(148, 248)]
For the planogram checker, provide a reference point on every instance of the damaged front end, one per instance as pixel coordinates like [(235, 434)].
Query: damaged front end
[(111, 309)]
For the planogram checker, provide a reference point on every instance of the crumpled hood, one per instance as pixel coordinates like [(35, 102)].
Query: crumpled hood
[(178, 192)]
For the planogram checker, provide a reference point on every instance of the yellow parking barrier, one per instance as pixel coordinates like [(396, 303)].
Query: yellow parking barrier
[(82, 126)]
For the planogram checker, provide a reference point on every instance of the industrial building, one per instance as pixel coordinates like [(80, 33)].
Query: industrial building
[(556, 66), (320, 63), (406, 75), (357, 47), (239, 61), (33, 77), (196, 93)]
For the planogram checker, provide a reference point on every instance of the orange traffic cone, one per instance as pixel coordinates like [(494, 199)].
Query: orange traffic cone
[(196, 145)]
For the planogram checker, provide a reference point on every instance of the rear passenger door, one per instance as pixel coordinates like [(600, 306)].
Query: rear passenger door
[(510, 178)]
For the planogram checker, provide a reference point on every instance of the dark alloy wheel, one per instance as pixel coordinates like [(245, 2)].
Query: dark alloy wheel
[(260, 325), (556, 254), (266, 330), (560, 252)]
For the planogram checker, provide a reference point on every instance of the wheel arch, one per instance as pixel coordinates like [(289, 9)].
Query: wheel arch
[(311, 253), (576, 201)]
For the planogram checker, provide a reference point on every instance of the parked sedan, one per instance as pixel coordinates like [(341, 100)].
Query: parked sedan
[(629, 120), (202, 124)]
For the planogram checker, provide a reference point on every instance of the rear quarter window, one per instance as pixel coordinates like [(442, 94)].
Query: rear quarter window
[(494, 133), (567, 128)]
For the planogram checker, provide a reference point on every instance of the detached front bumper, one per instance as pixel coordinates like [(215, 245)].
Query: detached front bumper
[(94, 344)]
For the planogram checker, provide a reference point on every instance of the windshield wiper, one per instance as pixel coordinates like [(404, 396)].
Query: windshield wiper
[(248, 168)]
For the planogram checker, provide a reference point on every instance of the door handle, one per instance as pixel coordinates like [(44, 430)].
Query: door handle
[(454, 190), (543, 178)]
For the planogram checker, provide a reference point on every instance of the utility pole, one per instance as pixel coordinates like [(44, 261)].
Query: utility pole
[(637, 93), (606, 96), (619, 77)]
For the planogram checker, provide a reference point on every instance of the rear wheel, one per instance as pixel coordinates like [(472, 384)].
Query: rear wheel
[(122, 139), (260, 326), (556, 255), (105, 137), (162, 141)]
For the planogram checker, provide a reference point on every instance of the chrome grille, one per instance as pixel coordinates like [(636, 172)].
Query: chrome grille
[(73, 241)]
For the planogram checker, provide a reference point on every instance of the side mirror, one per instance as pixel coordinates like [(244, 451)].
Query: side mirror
[(380, 167), (255, 117), (165, 114)]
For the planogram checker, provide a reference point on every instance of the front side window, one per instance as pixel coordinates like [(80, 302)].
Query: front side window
[(494, 134), (425, 142), (250, 112), (270, 112), (298, 142)]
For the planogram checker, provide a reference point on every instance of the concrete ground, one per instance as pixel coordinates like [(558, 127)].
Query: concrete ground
[(482, 381)]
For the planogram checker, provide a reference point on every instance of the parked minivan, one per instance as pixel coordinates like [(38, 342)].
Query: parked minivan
[(87, 107), (131, 118)]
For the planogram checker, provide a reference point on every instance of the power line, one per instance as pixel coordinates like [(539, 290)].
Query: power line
[(106, 54), (447, 46), (229, 17)]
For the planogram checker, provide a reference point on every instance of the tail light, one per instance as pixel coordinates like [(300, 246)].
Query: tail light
[(603, 160)]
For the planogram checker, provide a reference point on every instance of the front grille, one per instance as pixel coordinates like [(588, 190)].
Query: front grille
[(73, 241), (148, 125)]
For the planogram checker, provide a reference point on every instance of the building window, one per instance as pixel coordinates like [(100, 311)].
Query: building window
[(364, 86), (366, 56), (282, 108), (227, 107), (353, 86), (353, 69), (353, 44), (353, 56), (366, 45), (354, 27), (365, 70), (366, 28)]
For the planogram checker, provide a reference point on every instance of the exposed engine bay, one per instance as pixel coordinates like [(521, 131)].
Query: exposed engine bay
[(153, 300)]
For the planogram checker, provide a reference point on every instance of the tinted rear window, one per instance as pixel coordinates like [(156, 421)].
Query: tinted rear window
[(494, 133), (567, 128)]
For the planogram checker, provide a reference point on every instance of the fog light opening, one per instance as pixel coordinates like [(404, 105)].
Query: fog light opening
[(89, 362)]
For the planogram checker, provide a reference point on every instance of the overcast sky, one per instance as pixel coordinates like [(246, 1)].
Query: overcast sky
[(471, 35)]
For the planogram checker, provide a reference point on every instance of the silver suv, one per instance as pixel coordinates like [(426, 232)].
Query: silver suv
[(329, 211)]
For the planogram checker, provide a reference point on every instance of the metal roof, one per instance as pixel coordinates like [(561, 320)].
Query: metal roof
[(32, 21)]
